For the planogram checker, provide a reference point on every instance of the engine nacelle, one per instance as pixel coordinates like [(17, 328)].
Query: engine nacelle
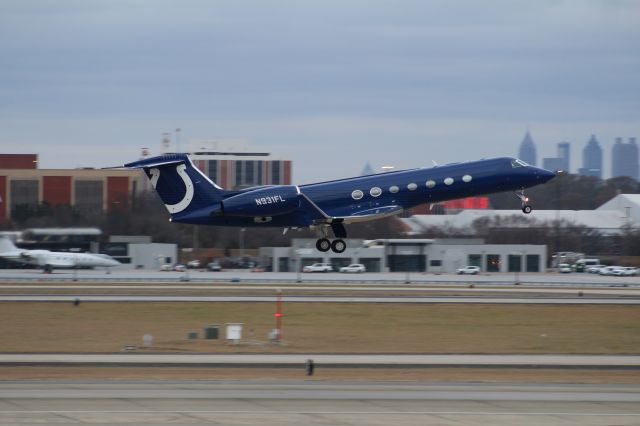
[(270, 201)]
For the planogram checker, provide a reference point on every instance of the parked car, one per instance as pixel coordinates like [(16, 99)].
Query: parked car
[(193, 264), (179, 268), (468, 270), (612, 271), (166, 267), (564, 268), (318, 267), (630, 271), (594, 269), (214, 266), (354, 267)]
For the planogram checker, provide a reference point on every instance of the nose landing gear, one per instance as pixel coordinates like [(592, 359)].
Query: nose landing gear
[(526, 208)]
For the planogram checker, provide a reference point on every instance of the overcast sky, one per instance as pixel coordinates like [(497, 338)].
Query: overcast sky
[(330, 84)]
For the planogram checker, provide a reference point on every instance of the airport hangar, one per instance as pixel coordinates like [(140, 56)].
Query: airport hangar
[(411, 255)]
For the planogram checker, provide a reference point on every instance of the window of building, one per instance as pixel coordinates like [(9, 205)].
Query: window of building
[(258, 179), (436, 263), (249, 173), (213, 170), (371, 264), (89, 195), (475, 260), (533, 263), (24, 194), (493, 263), (275, 173), (515, 263), (239, 173)]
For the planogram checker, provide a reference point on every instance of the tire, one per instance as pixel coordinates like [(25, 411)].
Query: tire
[(323, 244), (338, 246), (526, 209)]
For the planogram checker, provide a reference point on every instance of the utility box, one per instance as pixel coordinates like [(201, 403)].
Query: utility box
[(211, 332), (234, 331)]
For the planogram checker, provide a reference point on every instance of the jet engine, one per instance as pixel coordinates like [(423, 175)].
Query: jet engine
[(263, 202)]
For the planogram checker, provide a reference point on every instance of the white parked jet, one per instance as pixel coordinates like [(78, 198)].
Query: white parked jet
[(48, 260)]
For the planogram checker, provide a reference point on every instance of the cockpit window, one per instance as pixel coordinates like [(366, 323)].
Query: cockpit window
[(518, 163)]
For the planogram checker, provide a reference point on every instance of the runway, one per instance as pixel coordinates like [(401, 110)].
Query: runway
[(313, 402), (628, 362)]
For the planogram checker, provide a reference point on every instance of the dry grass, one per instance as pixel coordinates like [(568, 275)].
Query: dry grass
[(324, 327)]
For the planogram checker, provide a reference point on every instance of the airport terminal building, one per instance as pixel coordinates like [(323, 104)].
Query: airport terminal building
[(411, 255)]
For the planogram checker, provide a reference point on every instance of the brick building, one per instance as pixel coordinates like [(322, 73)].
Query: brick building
[(23, 184)]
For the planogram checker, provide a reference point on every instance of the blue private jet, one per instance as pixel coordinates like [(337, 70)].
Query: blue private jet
[(191, 197)]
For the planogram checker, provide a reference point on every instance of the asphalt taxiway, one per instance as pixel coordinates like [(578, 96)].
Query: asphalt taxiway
[(313, 402)]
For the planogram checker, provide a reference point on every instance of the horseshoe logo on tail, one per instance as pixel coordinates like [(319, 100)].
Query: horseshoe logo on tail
[(188, 196)]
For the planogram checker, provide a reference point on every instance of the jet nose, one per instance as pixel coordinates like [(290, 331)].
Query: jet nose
[(544, 175)]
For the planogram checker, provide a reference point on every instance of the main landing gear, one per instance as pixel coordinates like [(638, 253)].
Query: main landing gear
[(526, 208), (338, 245)]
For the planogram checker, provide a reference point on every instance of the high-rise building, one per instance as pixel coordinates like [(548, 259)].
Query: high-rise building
[(624, 158), (564, 149), (591, 159), (553, 163), (527, 152)]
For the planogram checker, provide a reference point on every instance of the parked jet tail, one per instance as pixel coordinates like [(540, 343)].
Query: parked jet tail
[(182, 187)]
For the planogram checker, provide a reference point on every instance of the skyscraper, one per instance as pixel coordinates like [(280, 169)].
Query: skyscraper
[(564, 149), (592, 159), (624, 158), (527, 152)]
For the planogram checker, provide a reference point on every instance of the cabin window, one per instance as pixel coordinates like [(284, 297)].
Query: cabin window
[(412, 186), (431, 183), (518, 163), (448, 181), (466, 178), (393, 189), (357, 194), (375, 191)]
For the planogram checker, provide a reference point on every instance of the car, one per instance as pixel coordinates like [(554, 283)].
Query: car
[(630, 271), (616, 271), (354, 267), (318, 267), (564, 268), (193, 264), (594, 269), (179, 268), (214, 266), (166, 267), (468, 270)]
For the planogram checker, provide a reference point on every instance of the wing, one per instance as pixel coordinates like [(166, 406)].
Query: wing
[(371, 214)]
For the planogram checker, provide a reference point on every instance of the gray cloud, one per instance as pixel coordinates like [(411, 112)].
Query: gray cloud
[(402, 77)]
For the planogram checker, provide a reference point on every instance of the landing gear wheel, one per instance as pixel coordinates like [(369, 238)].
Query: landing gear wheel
[(323, 244), (338, 246), (526, 209)]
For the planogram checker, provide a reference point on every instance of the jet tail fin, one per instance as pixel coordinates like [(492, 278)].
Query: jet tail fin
[(6, 245), (182, 187)]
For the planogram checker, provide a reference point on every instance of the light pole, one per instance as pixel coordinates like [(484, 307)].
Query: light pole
[(178, 139)]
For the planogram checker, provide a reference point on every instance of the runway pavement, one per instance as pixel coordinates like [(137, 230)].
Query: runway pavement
[(123, 274), (313, 402), (631, 362)]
